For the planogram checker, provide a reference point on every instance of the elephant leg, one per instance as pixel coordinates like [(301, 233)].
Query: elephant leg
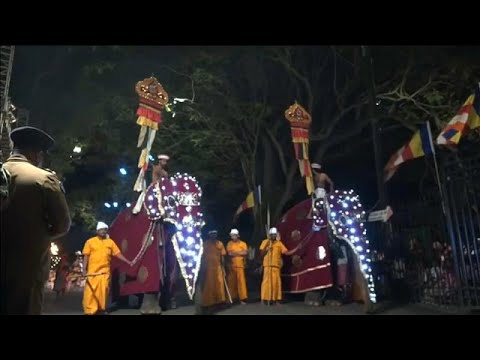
[(150, 305), (308, 299), (172, 275), (197, 299), (315, 298)]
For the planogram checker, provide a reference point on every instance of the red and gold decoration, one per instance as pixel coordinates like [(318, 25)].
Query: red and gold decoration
[(300, 121), (152, 100)]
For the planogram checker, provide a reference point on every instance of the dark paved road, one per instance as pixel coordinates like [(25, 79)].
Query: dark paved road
[(71, 304)]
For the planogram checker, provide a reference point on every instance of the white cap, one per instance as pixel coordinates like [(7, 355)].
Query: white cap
[(163, 157), (101, 225), (316, 166), (234, 232), (273, 231)]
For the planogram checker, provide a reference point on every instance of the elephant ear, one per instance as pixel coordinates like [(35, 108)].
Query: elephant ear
[(188, 219), (346, 218)]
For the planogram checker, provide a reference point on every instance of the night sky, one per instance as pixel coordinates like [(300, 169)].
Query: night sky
[(50, 82)]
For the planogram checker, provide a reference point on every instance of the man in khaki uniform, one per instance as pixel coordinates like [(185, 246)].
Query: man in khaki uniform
[(36, 214)]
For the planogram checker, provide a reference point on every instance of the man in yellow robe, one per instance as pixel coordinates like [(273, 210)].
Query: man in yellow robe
[(213, 289), (98, 252), (272, 250), (237, 250)]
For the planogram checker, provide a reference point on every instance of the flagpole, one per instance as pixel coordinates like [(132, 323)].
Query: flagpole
[(442, 199), (268, 219)]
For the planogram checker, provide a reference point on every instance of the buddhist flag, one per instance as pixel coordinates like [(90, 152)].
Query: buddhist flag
[(421, 144), (253, 199), (466, 118)]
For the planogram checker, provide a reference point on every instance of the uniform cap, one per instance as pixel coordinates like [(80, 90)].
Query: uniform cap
[(273, 231), (31, 137), (101, 225)]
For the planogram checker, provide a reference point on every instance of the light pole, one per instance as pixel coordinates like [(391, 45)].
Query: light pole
[(384, 230), (377, 146)]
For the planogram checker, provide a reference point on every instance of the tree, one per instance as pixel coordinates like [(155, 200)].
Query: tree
[(230, 133)]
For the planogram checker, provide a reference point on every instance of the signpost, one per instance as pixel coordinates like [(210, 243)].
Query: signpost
[(381, 215)]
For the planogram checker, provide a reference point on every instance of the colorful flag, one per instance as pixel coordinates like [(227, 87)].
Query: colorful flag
[(421, 144), (253, 199), (466, 118), (300, 121)]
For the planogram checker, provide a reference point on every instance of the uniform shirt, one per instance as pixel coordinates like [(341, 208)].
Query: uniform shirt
[(213, 251), (237, 246), (274, 256), (36, 214), (100, 252)]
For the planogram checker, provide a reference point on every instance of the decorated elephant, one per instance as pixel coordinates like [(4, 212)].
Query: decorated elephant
[(335, 252), (163, 237)]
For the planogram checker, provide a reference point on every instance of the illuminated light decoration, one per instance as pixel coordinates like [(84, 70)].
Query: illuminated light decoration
[(107, 205), (77, 149), (318, 219), (55, 260), (53, 249), (176, 200), (123, 171), (183, 210), (128, 204), (321, 253), (344, 223), (115, 204), (153, 203)]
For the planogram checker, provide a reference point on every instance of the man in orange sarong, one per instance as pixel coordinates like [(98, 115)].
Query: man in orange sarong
[(272, 250), (237, 284), (213, 289), (98, 252)]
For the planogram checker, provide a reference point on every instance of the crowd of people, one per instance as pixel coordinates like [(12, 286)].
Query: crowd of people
[(67, 275)]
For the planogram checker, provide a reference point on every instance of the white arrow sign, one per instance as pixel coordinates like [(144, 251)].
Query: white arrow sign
[(381, 215)]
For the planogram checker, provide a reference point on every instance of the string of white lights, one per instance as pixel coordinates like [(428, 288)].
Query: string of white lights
[(346, 218)]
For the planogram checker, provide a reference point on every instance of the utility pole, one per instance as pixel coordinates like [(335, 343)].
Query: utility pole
[(377, 146), (383, 230)]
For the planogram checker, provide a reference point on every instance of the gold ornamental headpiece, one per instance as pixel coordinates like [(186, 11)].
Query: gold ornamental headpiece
[(298, 116), (152, 93)]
